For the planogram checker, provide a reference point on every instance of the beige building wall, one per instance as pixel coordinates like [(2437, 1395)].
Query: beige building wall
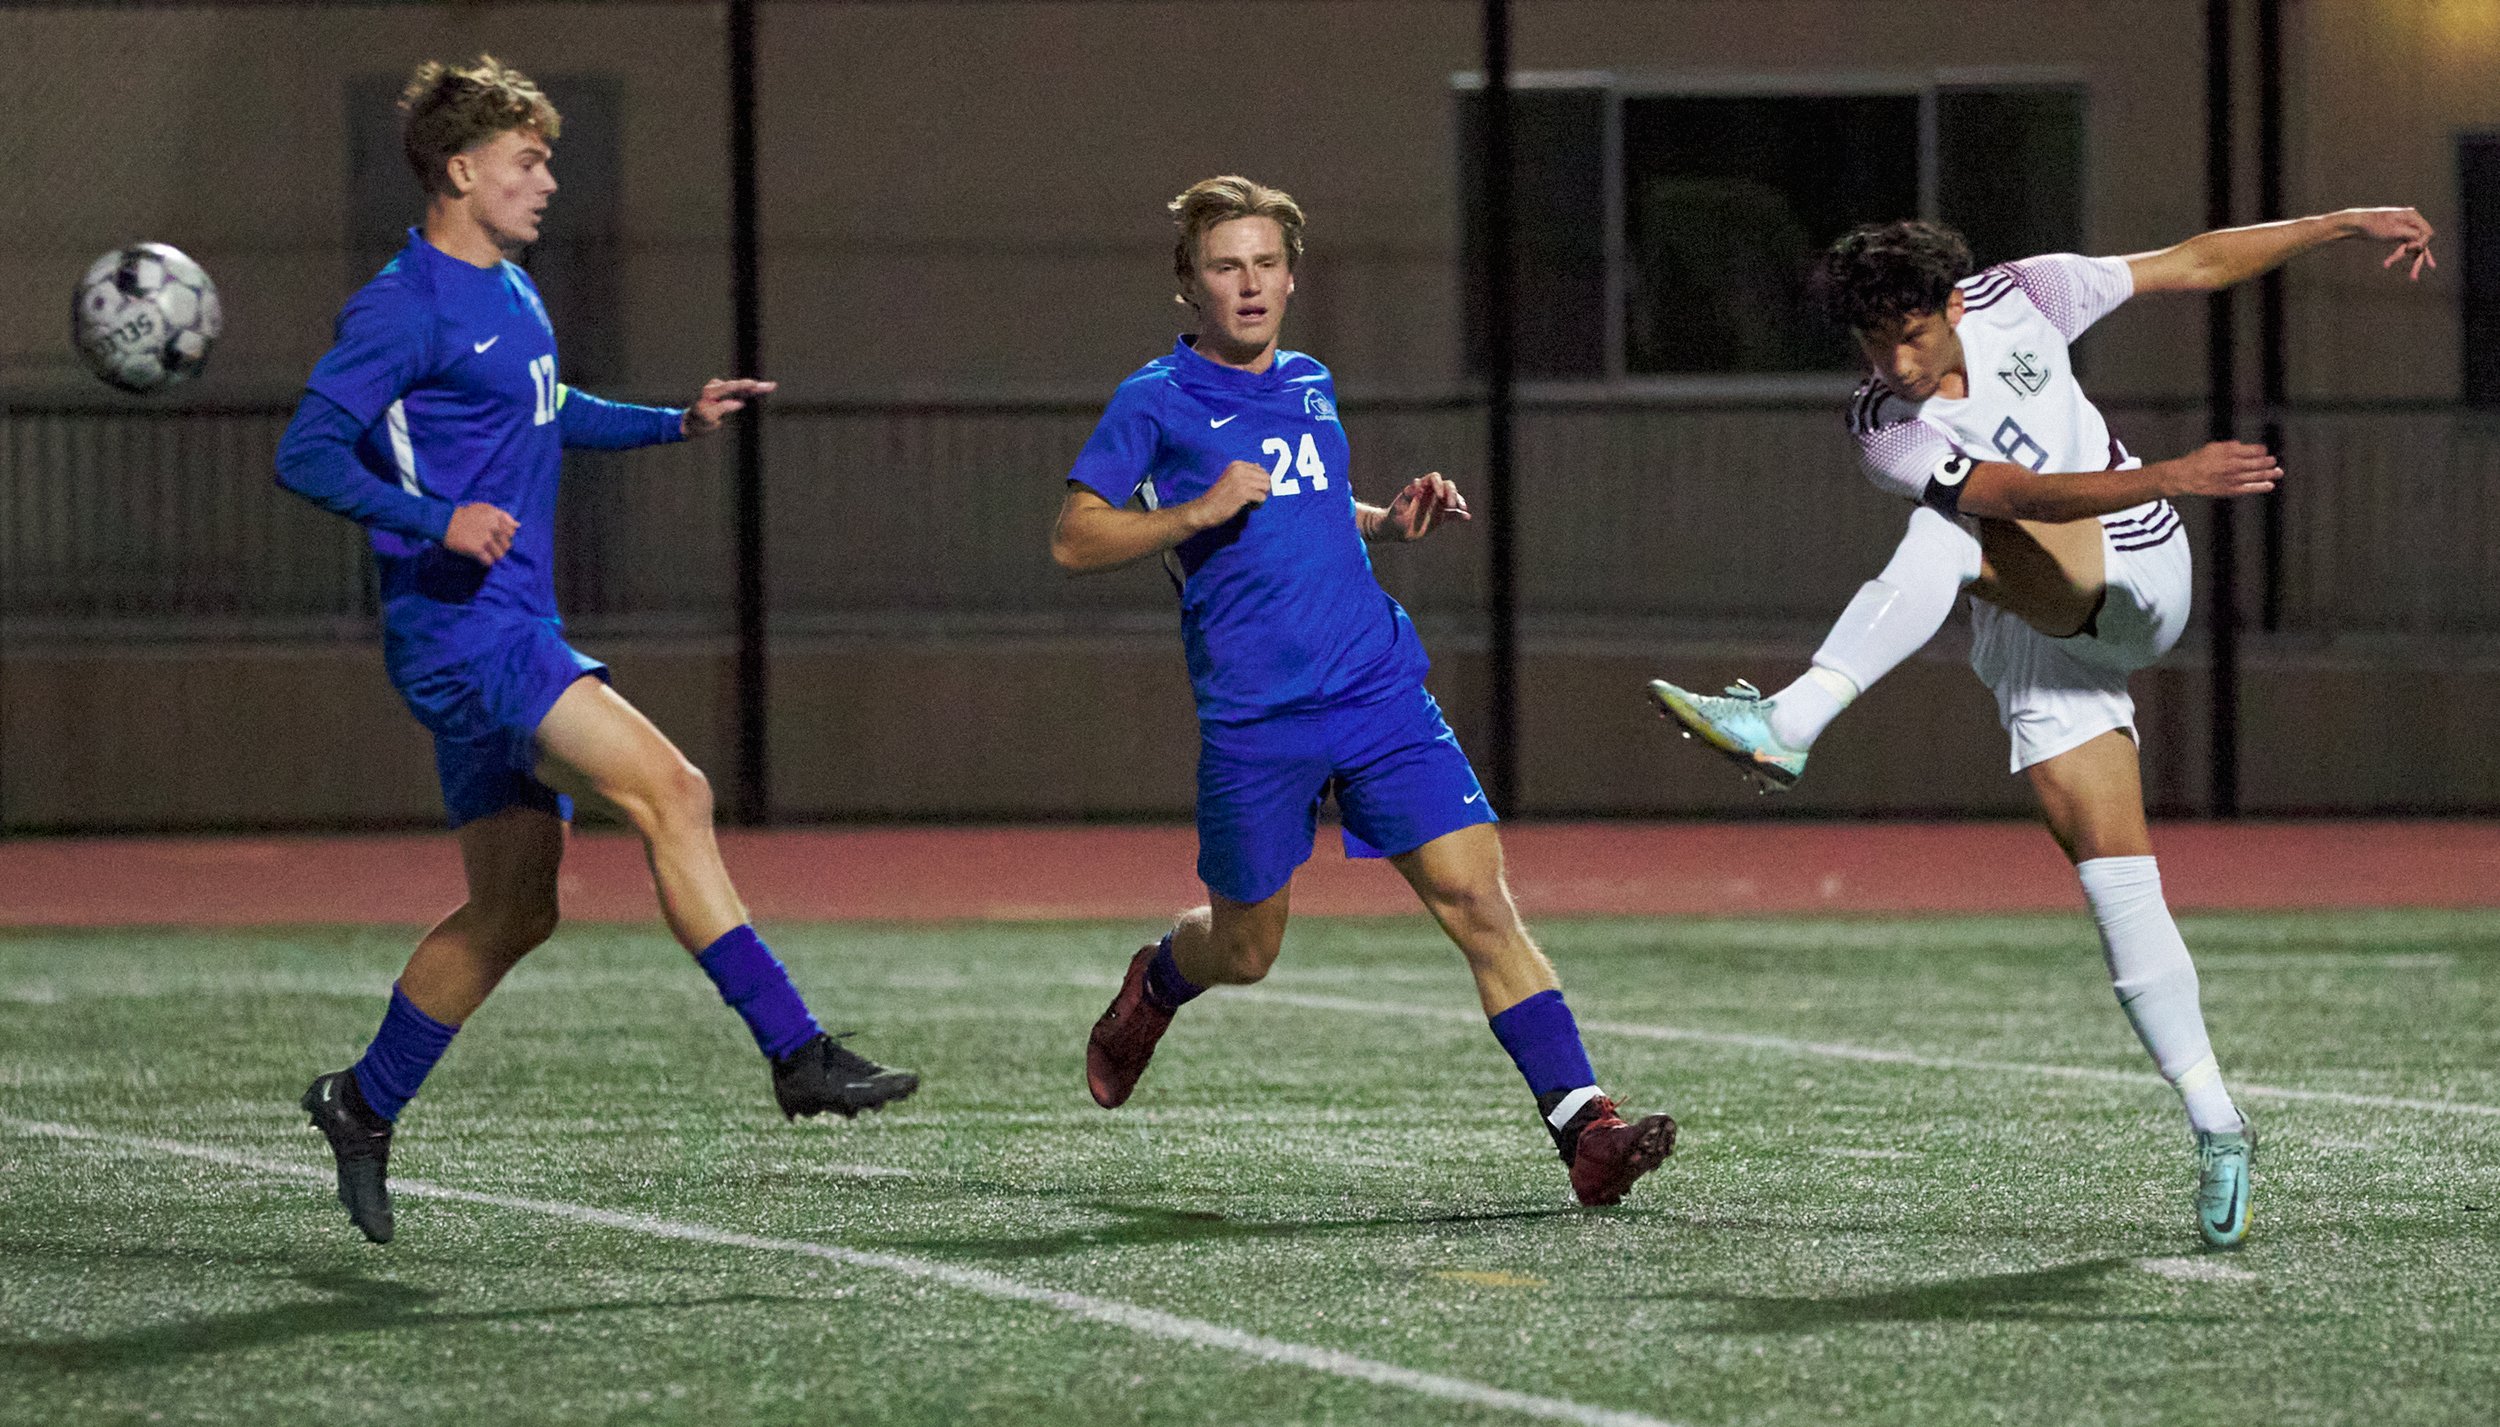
[(2379, 92), (964, 198), (219, 130)]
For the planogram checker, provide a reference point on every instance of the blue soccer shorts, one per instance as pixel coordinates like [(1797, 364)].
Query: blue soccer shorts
[(1398, 774), (484, 710)]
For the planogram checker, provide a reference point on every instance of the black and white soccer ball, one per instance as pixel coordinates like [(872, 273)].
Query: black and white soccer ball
[(145, 316)]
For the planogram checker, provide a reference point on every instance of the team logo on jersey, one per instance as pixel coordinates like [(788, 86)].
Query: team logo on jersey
[(2025, 373), (1315, 404)]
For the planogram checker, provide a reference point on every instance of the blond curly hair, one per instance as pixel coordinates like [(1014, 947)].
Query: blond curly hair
[(451, 109)]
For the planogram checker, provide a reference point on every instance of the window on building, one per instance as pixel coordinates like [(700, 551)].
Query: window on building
[(1665, 230)]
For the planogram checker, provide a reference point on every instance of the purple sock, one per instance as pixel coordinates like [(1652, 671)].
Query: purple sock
[(1544, 1042), (1165, 986), (406, 1047), (756, 986)]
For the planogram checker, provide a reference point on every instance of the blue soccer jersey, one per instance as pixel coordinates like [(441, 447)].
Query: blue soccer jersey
[(439, 392), (450, 371), (1280, 611)]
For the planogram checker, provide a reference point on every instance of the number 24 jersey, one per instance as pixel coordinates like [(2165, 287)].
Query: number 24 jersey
[(1280, 611)]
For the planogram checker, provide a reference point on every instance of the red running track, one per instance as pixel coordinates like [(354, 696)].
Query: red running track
[(1146, 873)]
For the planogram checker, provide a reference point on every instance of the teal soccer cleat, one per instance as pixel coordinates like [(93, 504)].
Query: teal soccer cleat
[(2222, 1183), (1734, 725)]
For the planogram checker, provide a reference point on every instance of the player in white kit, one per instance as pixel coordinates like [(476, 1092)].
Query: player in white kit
[(2074, 556)]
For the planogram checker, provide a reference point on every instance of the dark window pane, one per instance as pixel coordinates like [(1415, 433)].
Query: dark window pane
[(2010, 169), (1558, 197), (1726, 202)]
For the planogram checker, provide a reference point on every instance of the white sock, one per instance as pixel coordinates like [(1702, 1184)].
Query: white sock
[(2155, 980), (1889, 619)]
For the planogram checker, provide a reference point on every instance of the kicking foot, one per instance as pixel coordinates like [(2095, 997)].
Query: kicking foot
[(1124, 1038), (2222, 1162), (1737, 725), (361, 1142), (826, 1075), (1606, 1155)]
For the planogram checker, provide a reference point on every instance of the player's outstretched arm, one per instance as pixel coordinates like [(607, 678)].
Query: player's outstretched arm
[(1092, 534), (2224, 257), (1414, 511), (1998, 490)]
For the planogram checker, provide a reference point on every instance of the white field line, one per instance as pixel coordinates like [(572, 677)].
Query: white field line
[(2197, 1270), (2326, 961), (1875, 1055), (1145, 1322)]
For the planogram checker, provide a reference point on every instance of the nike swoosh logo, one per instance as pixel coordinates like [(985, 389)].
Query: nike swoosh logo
[(2227, 1222), (1212, 422), (1471, 797), (482, 346)]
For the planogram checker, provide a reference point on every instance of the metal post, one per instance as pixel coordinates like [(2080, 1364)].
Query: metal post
[(752, 804), (1500, 328), (2274, 377), (2222, 610)]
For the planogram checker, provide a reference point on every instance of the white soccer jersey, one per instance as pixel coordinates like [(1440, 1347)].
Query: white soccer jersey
[(2025, 405)]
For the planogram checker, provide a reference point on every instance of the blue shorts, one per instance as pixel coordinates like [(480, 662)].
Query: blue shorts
[(484, 711), (1398, 774)]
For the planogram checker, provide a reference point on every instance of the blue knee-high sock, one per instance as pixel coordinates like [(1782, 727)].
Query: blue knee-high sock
[(406, 1047), (1165, 985), (1544, 1042), (757, 986)]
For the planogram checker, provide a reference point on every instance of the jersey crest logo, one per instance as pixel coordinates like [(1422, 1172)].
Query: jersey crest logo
[(2025, 373), (1316, 405)]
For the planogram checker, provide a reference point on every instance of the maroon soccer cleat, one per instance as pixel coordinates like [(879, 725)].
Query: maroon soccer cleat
[(1124, 1039), (1608, 1155)]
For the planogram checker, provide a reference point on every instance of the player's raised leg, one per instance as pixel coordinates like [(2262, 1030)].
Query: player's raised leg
[(2093, 798), (1890, 618), (594, 741), (510, 859), (1460, 878), (1225, 943)]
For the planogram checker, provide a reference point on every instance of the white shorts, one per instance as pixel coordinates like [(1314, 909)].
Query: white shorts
[(2057, 694)]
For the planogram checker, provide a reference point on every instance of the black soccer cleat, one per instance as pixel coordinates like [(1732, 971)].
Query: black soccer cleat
[(826, 1075), (361, 1141)]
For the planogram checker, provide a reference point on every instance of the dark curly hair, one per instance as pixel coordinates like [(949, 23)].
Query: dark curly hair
[(1878, 274)]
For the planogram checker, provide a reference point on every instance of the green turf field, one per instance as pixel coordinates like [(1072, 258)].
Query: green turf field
[(1894, 1201)]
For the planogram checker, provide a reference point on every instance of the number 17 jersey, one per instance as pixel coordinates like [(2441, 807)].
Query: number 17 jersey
[(1280, 611)]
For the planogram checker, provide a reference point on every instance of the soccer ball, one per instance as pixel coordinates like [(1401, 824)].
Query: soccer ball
[(145, 316)]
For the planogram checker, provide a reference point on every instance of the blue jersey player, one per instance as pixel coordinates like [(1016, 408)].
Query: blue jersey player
[(1227, 459), (438, 422)]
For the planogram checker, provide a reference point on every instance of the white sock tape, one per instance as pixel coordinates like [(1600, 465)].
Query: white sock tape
[(1571, 1104), (2196, 1077)]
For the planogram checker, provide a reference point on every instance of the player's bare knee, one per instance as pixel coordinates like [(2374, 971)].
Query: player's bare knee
[(687, 792), (1250, 958), (1243, 949), (512, 930), (1477, 914), (676, 797), (532, 926)]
